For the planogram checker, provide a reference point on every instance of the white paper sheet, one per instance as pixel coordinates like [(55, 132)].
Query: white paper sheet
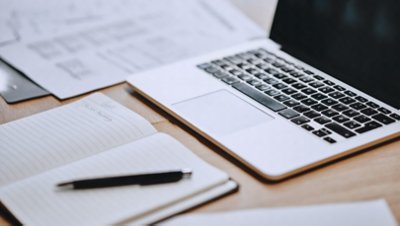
[(368, 213), (142, 35)]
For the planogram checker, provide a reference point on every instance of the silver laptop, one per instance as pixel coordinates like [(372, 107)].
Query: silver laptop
[(331, 90)]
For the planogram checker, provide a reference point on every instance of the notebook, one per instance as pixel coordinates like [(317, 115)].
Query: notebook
[(97, 137)]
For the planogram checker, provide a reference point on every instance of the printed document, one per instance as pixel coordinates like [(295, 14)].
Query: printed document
[(106, 44)]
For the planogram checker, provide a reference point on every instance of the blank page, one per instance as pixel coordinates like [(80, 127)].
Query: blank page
[(46, 140), (366, 213), (37, 201)]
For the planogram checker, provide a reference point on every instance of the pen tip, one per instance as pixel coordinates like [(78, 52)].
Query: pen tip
[(187, 171), (64, 184)]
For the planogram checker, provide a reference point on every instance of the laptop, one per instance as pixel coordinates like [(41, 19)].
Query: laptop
[(332, 89)]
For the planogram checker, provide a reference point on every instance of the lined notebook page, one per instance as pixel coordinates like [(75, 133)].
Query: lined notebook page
[(65, 134), (36, 200)]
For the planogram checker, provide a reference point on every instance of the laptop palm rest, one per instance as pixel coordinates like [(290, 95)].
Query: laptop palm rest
[(221, 113)]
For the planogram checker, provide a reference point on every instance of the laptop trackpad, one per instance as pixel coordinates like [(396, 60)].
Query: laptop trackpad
[(221, 112)]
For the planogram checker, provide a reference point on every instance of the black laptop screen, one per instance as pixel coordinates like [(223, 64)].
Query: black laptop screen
[(356, 41)]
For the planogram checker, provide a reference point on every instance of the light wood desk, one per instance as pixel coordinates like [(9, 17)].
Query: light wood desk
[(368, 175)]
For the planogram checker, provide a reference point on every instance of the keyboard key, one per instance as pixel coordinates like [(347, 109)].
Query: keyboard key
[(361, 99), (280, 86), (329, 102), (322, 120), (212, 69), (281, 97), (254, 82), (262, 66), (300, 120), (235, 72), (307, 127), (204, 66), (319, 133), (326, 131), (372, 104), (311, 114), (289, 80), (296, 74), (340, 119), (326, 89), (289, 91), (245, 77), (337, 87), (369, 111), (252, 71), (280, 76), (299, 86), (368, 127), (349, 93), (220, 75), (330, 113), (291, 103), (262, 76), (395, 116), (309, 102), (259, 97), (308, 91), (298, 96), (351, 125), (227, 67), (384, 110), (319, 107), (271, 92), (383, 119), (278, 65), (286, 69), (271, 81), (301, 108), (330, 140), (339, 107), (316, 84), (318, 96), (329, 83), (272, 71), (263, 87), (308, 72), (340, 130), (244, 66), (351, 113), (362, 119), (306, 79), (358, 106), (230, 80), (347, 100), (336, 95), (318, 77), (288, 113)]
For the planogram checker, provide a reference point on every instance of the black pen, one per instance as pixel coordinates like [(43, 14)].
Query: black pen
[(139, 179)]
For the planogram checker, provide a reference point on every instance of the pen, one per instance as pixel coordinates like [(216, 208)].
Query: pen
[(139, 179)]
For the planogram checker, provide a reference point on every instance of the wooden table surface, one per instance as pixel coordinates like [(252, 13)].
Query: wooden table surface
[(372, 174)]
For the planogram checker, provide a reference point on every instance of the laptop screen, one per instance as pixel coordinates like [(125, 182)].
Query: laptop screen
[(355, 41)]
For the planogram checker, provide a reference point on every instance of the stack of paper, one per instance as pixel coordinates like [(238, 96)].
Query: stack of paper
[(73, 47)]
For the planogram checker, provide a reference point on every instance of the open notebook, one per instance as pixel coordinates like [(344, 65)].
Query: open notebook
[(89, 138)]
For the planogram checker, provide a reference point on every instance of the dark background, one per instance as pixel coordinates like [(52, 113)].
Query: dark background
[(356, 41)]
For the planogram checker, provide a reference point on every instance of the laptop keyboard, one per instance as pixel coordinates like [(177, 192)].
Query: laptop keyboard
[(299, 95)]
